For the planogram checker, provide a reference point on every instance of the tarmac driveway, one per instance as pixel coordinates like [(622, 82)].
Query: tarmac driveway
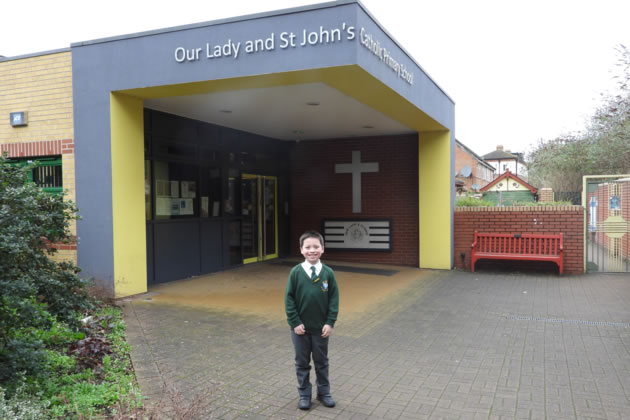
[(409, 344)]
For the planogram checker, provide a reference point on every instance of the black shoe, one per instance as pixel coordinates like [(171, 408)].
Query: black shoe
[(304, 403), (326, 400)]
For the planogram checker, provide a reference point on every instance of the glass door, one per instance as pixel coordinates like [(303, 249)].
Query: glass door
[(259, 228)]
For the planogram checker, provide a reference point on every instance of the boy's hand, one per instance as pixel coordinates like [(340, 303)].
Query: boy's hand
[(299, 330), (327, 331)]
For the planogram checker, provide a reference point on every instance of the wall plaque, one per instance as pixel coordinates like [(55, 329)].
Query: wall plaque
[(358, 235)]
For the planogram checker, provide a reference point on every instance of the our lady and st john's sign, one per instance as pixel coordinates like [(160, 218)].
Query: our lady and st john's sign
[(232, 48)]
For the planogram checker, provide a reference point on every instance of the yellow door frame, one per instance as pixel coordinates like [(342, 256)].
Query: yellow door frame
[(260, 179)]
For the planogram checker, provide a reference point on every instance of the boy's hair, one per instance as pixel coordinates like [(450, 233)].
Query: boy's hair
[(311, 234)]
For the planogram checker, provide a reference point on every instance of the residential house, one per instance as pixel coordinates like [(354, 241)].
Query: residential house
[(504, 161), (508, 189), (471, 171)]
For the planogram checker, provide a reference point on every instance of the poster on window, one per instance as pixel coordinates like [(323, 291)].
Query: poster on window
[(189, 189), (185, 206), (162, 206), (174, 189), (204, 206)]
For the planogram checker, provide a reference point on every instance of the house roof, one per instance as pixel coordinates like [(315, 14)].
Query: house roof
[(508, 174), (475, 155), (499, 154)]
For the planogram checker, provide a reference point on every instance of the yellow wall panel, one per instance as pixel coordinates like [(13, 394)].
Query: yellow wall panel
[(128, 213), (434, 185)]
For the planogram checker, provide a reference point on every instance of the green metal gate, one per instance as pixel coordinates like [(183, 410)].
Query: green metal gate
[(607, 241)]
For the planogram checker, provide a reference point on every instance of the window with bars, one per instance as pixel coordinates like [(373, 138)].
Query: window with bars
[(47, 175)]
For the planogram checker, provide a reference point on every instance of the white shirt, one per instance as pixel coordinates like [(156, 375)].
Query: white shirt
[(307, 268)]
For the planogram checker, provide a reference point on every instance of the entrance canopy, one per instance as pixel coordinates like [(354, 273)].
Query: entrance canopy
[(318, 72)]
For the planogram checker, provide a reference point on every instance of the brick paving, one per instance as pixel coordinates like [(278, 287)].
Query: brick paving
[(452, 345)]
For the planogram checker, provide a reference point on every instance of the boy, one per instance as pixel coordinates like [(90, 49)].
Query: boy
[(312, 302)]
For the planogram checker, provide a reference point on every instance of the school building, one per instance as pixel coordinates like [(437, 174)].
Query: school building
[(200, 148)]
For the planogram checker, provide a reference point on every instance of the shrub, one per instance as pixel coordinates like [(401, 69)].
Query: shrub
[(538, 204), (36, 290), (20, 406), (472, 202), (93, 375)]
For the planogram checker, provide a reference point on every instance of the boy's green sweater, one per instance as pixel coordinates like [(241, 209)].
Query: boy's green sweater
[(311, 302)]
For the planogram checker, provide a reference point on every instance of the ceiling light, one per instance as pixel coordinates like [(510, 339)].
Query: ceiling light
[(312, 103), (226, 111)]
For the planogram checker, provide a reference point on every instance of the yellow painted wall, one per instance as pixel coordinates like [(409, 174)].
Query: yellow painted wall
[(42, 86), (434, 185), (128, 212)]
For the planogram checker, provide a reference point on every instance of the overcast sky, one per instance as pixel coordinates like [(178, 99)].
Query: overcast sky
[(518, 71)]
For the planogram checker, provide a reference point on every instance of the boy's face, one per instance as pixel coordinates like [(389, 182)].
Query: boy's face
[(312, 250)]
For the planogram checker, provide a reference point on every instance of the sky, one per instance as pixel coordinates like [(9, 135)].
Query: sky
[(518, 71)]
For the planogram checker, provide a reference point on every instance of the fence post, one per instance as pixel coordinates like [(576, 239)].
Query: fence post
[(546, 195)]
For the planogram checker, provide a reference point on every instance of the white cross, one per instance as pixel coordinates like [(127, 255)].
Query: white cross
[(355, 168)]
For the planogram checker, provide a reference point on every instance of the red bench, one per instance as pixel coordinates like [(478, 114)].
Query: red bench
[(506, 246)]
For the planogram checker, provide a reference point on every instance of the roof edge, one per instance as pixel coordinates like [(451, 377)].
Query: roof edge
[(469, 150), (508, 174), (38, 54)]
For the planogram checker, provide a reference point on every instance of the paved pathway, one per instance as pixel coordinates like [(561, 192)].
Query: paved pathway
[(451, 345)]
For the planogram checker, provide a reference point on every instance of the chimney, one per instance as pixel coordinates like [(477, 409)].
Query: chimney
[(500, 147)]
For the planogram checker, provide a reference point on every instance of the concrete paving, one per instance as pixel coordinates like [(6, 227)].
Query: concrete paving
[(440, 345)]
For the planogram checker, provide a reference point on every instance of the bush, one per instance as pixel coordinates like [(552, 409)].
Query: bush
[(537, 204), (472, 202), (36, 291), (54, 361), (20, 406), (92, 375)]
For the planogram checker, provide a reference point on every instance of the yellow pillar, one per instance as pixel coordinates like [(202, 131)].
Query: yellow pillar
[(128, 214), (435, 208)]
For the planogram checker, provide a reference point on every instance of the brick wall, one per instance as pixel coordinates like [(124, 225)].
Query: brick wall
[(42, 86), (568, 220), (318, 193), (545, 195)]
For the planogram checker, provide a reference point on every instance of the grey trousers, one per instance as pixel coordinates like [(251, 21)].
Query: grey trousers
[(305, 346)]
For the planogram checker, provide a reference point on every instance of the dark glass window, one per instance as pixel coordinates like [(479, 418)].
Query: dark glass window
[(174, 150), (175, 187), (210, 192), (235, 243), (147, 189), (209, 155), (233, 188), (48, 175)]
